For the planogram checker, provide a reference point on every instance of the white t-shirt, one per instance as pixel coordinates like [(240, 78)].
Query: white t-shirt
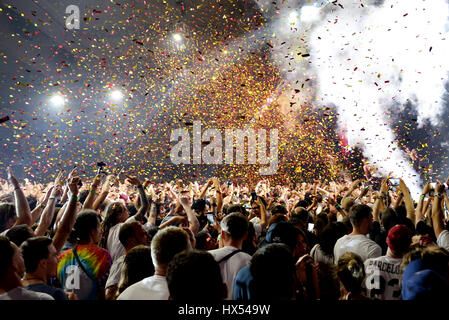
[(383, 277), (230, 267), (114, 246), (318, 255), (443, 240), (151, 288), (359, 244), (257, 227), (20, 293), (115, 272)]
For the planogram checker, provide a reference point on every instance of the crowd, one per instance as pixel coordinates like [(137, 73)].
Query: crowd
[(103, 238)]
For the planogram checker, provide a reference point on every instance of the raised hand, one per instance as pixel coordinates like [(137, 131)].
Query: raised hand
[(11, 178), (133, 180), (73, 185)]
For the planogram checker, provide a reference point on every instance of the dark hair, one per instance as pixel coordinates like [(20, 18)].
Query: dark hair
[(273, 271), (137, 266), (275, 218), (18, 234), (6, 254), (194, 276), (201, 240), (328, 237), (389, 218), (248, 245), (237, 208), (83, 195), (302, 203), (34, 250), (235, 224), (113, 210), (300, 215), (358, 213), (86, 221), (279, 209), (7, 211), (127, 231)]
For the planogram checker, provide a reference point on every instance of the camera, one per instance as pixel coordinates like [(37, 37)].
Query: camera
[(100, 169)]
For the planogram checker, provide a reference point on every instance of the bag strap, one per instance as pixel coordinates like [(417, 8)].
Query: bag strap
[(81, 265), (229, 255)]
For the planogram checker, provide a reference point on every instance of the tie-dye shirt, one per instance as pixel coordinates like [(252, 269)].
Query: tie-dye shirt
[(96, 261)]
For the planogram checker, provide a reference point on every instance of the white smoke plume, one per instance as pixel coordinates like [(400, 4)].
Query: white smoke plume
[(370, 56)]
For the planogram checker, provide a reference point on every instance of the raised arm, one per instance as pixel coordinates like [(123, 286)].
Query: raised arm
[(437, 210), (419, 214), (49, 211), (68, 219), (23, 211), (143, 197), (407, 200), (194, 224), (104, 191), (36, 213), (219, 194), (204, 189), (379, 204), (88, 203)]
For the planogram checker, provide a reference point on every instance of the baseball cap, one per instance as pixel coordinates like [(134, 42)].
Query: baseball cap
[(399, 238)]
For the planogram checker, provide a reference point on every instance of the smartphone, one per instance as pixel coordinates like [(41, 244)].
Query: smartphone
[(310, 227), (253, 196), (393, 182), (211, 218)]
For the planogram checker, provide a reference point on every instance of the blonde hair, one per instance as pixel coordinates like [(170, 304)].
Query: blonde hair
[(351, 272)]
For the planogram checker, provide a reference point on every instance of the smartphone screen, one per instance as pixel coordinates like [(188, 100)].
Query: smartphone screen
[(210, 218), (310, 227)]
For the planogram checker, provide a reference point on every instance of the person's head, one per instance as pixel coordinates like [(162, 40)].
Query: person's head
[(300, 217), (194, 275), (351, 272), (425, 274), (279, 209), (275, 218), (132, 234), (389, 218), (399, 239), (328, 237), (40, 257), (293, 237), (237, 208), (166, 244), (137, 266), (7, 216), (115, 212), (18, 234), (320, 222), (361, 218), (82, 195), (87, 228), (250, 243), (12, 267), (234, 227), (199, 206), (273, 271)]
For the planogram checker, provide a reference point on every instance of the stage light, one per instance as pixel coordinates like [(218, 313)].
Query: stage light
[(310, 13), (57, 100), (293, 17), (116, 95), (177, 37)]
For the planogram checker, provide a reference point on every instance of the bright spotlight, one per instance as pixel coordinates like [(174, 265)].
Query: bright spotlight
[(293, 17), (116, 95), (57, 100), (177, 37), (310, 13)]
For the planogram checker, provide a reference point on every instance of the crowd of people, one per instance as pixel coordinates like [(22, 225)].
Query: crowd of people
[(133, 239)]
